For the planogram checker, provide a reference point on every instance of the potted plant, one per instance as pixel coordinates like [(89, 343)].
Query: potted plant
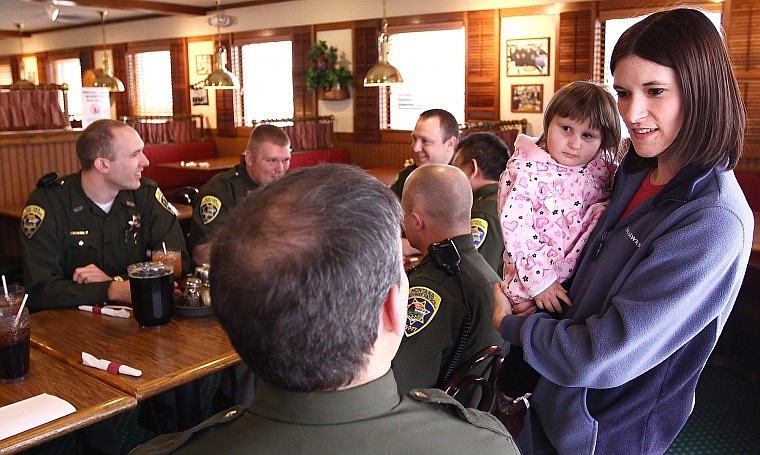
[(324, 75)]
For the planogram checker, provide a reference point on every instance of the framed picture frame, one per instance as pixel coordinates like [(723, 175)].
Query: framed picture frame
[(199, 96), (528, 98), (528, 57), (203, 64)]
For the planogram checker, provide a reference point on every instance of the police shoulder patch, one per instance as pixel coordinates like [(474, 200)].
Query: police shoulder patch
[(31, 219), (164, 203), (421, 308), (479, 228), (210, 207)]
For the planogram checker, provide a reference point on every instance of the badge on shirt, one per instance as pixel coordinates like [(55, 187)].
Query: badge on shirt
[(210, 207), (31, 219), (421, 307), (479, 228), (164, 203)]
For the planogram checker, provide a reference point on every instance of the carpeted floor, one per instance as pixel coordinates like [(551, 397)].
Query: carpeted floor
[(726, 419)]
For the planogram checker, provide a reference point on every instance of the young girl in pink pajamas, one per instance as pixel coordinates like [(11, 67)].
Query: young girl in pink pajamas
[(553, 192)]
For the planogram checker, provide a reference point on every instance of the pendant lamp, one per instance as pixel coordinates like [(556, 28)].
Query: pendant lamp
[(383, 73), (22, 83), (220, 77), (105, 78)]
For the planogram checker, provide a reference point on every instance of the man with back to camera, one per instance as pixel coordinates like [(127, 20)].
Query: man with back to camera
[(316, 305), (436, 203), (483, 157), (266, 158), (80, 232), (434, 139)]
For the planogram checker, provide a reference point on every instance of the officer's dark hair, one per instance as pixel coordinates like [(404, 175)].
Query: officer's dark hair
[(488, 150), (685, 40), (267, 133), (449, 124), (300, 269), (97, 140)]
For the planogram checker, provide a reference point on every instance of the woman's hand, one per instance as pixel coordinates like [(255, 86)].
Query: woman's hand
[(501, 306), (551, 298)]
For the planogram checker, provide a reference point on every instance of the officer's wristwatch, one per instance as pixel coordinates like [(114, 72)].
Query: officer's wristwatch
[(118, 278)]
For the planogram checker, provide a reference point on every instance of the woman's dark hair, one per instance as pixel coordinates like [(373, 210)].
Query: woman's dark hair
[(685, 40)]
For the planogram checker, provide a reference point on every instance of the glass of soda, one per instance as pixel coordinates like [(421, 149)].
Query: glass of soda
[(151, 285), (171, 257), (14, 342)]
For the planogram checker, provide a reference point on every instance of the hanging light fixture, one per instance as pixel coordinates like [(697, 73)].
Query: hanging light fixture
[(52, 10), (220, 77), (22, 83), (383, 73), (105, 78)]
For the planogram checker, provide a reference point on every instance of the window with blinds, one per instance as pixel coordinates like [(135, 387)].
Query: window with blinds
[(267, 81), (432, 64), (151, 83), (6, 77), (69, 71)]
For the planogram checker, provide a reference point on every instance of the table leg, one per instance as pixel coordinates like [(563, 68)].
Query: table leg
[(188, 398)]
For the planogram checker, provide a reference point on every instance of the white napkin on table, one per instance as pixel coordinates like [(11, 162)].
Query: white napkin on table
[(106, 365), (119, 313), (32, 412)]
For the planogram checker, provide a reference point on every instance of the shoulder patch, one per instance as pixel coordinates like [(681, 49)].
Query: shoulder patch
[(210, 207), (31, 219), (479, 228), (162, 200), (421, 308)]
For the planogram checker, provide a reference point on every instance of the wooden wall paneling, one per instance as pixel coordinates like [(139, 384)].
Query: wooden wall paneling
[(742, 24), (123, 106), (86, 59), (366, 99), (44, 75), (304, 102), (482, 65), (375, 154), (225, 102), (180, 77), (574, 47)]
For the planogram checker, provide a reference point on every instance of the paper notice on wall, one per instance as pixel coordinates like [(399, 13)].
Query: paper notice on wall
[(96, 104)]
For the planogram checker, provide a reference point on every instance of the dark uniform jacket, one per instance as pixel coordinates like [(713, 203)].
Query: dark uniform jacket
[(434, 317), (62, 229), (486, 232), (371, 418), (398, 185), (215, 199)]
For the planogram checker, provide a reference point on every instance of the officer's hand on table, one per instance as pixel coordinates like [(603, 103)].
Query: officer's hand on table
[(501, 306), (90, 274), (118, 291)]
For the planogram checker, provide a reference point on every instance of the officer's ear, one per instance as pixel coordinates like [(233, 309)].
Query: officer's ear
[(475, 168), (101, 165), (393, 316)]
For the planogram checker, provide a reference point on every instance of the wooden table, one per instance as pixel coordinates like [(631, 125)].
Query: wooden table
[(385, 174), (93, 400), (214, 164), (177, 353)]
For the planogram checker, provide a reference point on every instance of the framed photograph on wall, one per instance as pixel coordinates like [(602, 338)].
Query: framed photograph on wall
[(528, 57), (203, 64), (528, 98), (199, 96)]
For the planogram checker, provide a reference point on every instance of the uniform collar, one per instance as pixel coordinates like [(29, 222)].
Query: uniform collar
[(80, 202), (364, 402), (485, 190)]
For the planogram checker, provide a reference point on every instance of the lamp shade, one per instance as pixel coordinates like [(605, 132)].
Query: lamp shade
[(113, 83), (383, 73), (221, 77)]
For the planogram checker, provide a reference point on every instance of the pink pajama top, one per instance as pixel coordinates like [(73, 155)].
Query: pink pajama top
[(547, 211)]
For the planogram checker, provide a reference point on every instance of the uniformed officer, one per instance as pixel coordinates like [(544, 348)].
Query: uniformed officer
[(266, 158), (437, 201), (80, 232), (434, 139), (315, 304), (483, 157)]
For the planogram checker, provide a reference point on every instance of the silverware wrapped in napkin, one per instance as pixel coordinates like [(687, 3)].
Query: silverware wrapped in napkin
[(109, 366), (116, 312)]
